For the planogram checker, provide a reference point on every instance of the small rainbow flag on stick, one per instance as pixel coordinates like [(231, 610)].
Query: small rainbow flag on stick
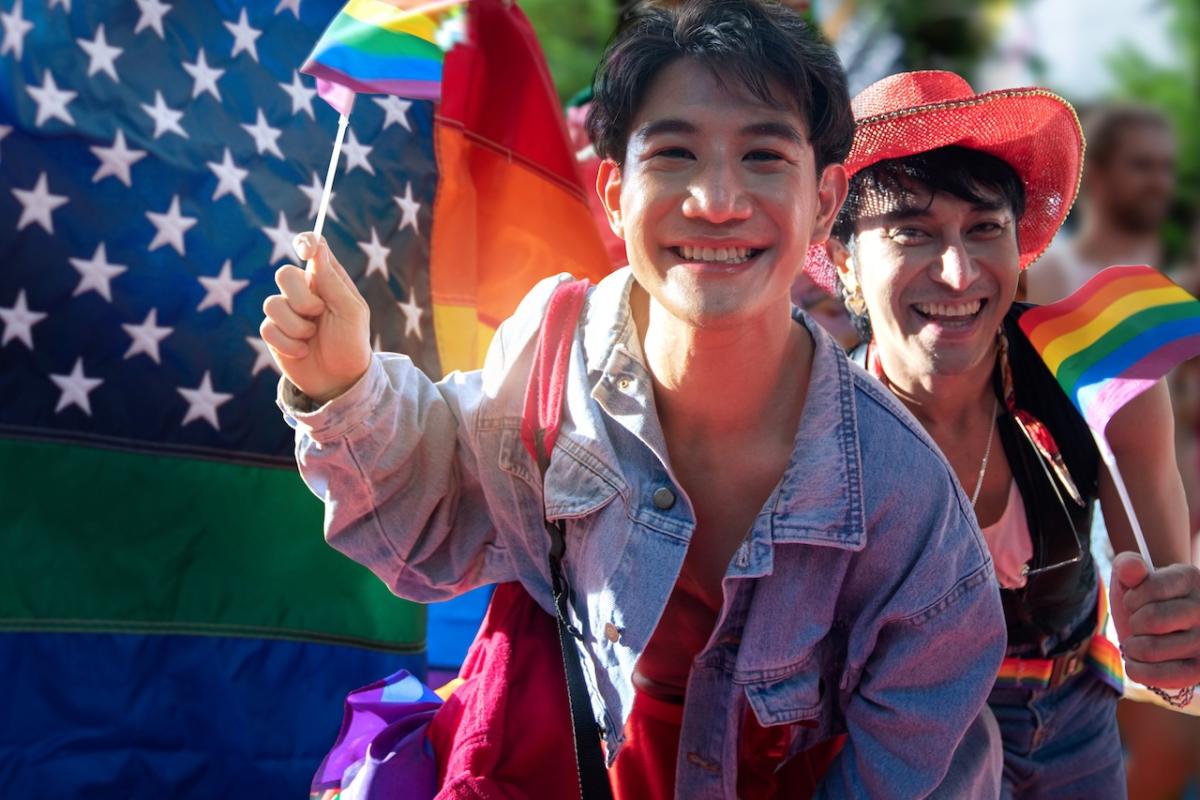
[(385, 47), (381, 47), (1112, 340)]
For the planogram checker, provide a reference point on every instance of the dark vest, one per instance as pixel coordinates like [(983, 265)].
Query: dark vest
[(1050, 601)]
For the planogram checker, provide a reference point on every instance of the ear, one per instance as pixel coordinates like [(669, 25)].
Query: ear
[(608, 186), (831, 193), (843, 260)]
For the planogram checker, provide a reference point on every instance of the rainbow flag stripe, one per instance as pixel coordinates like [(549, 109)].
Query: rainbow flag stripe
[(1115, 337), (383, 47)]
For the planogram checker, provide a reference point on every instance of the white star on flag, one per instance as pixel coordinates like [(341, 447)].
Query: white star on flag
[(302, 96), (229, 178), (166, 119), (313, 192), (376, 255), (291, 5), (95, 273), (116, 160), (412, 316), (203, 402), (243, 36), (37, 204), (221, 289), (150, 15), (265, 137), (101, 55), (395, 111), (51, 101), (281, 240), (170, 227), (146, 337), (5, 130), (356, 154), (75, 388), (15, 28), (262, 356), (64, 3), (204, 77), (19, 321), (408, 209)]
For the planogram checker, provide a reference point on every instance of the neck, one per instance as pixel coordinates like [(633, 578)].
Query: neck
[(713, 383), (943, 402), (1103, 242)]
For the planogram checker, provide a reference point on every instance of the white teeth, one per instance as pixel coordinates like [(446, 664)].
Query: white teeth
[(718, 255), (949, 309)]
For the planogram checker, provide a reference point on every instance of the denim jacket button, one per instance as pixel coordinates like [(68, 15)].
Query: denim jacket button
[(663, 498), (612, 632)]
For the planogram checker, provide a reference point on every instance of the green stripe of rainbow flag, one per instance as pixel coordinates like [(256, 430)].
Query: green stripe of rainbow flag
[(1115, 337)]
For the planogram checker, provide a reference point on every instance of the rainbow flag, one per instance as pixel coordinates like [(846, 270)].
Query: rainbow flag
[(1115, 337), (385, 47)]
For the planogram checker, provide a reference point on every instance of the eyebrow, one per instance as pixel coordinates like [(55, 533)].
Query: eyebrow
[(778, 130), (913, 211)]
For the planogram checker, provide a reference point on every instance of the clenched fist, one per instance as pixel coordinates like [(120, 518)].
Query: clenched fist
[(318, 327)]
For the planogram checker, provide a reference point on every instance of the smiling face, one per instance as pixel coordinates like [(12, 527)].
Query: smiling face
[(938, 274), (718, 197)]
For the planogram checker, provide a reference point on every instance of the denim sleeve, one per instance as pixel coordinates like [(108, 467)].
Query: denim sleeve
[(923, 687), (408, 490)]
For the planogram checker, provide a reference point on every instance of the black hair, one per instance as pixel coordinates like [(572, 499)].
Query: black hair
[(970, 175), (754, 43)]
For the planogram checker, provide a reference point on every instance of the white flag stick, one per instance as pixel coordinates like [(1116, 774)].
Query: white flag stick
[(343, 121), (1110, 461)]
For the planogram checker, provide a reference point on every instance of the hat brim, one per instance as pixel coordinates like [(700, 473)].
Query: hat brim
[(1033, 130)]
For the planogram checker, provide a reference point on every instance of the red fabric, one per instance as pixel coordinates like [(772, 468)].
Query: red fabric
[(551, 361), (505, 733), (645, 767)]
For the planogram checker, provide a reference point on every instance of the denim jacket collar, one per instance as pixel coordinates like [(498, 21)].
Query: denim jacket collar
[(827, 437)]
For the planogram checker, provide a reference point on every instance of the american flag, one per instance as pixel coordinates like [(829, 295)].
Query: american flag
[(156, 161), (172, 624)]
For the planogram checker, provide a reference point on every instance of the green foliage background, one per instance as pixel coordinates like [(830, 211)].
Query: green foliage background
[(573, 34)]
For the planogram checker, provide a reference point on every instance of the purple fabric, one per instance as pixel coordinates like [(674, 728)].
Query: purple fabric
[(382, 750)]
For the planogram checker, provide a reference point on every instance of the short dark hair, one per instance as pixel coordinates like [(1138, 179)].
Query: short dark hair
[(1104, 123), (750, 42), (957, 171)]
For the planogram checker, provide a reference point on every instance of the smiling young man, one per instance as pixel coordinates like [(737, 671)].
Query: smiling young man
[(742, 596)]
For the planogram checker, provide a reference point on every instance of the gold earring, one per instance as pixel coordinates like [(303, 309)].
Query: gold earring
[(854, 300)]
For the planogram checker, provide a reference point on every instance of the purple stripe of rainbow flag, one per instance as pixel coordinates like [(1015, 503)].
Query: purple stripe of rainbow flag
[(1115, 337), (383, 47)]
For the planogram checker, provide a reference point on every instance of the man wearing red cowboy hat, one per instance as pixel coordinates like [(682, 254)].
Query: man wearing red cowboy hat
[(740, 596), (952, 194)]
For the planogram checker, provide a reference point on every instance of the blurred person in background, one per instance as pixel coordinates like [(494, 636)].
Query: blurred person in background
[(1128, 184)]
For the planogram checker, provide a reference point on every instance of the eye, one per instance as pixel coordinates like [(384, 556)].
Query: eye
[(764, 155), (909, 236), (673, 152), (988, 230)]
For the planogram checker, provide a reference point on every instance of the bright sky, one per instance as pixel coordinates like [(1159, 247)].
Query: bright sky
[(1074, 37)]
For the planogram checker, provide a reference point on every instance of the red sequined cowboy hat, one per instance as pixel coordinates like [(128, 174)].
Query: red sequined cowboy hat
[(1032, 129)]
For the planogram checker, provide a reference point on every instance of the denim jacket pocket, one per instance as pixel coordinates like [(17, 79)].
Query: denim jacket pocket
[(797, 698)]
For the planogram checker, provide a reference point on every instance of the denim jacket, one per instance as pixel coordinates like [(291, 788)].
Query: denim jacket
[(861, 601)]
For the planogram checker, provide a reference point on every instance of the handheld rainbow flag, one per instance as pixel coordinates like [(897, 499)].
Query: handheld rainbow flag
[(1112, 340), (385, 47), (381, 47)]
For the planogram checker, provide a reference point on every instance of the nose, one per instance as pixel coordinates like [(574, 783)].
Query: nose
[(956, 269), (717, 195)]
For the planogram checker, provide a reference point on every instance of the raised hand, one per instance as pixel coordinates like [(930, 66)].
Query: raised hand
[(318, 327)]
